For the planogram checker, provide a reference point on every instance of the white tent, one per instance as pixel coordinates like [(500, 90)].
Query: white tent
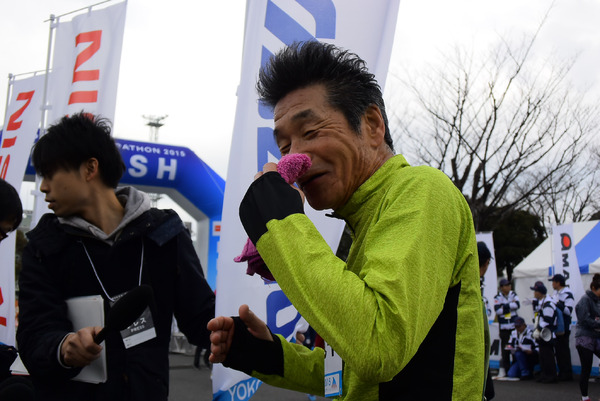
[(538, 265)]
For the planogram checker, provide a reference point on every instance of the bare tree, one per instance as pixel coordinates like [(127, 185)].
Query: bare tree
[(573, 194), (507, 129)]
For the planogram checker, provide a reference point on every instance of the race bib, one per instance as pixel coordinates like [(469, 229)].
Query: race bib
[(333, 372)]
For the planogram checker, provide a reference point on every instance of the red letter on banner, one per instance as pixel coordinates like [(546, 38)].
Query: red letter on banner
[(2, 318), (87, 75), (4, 168), (13, 124)]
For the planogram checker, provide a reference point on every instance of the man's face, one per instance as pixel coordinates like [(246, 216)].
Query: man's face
[(556, 285), (66, 192), (341, 159), (506, 289), (520, 327)]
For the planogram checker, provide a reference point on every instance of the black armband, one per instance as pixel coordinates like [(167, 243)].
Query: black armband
[(268, 198), (248, 353)]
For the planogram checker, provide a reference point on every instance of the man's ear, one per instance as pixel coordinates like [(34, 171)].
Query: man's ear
[(90, 168), (374, 126)]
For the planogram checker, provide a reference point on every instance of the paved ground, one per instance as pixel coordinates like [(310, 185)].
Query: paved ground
[(533, 391), (191, 384)]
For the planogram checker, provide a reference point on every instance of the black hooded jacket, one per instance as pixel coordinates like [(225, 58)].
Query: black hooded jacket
[(56, 268)]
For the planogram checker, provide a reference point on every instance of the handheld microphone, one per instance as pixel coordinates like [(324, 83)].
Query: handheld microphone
[(126, 310)]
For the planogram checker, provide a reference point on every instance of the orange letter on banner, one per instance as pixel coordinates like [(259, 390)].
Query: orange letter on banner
[(87, 75)]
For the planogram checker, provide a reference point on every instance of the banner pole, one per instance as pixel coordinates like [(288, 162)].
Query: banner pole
[(39, 206), (48, 57), (11, 79), (553, 267), (84, 8)]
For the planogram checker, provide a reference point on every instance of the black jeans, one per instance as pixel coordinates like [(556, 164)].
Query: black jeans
[(586, 358), (547, 362), (563, 356), (504, 337)]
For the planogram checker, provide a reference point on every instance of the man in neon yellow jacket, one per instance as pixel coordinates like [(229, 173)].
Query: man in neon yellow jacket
[(404, 311)]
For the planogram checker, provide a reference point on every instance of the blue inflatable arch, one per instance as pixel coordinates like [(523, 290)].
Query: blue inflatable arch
[(177, 172)]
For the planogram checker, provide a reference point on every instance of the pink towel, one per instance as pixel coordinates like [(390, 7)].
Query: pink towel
[(290, 167)]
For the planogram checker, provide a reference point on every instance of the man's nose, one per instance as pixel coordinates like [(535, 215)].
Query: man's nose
[(44, 186), (299, 147)]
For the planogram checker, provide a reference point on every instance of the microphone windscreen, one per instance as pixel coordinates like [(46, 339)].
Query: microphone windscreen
[(128, 308)]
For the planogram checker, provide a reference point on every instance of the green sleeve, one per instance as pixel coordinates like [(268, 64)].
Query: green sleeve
[(377, 310), (303, 369)]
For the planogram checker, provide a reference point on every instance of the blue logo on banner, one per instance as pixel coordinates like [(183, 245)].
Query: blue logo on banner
[(288, 30), (241, 391), (276, 303)]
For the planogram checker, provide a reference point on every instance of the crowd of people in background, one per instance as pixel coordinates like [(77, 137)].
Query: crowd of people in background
[(545, 343), (543, 346)]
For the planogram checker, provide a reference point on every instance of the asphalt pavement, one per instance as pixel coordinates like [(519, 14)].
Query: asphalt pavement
[(191, 384)]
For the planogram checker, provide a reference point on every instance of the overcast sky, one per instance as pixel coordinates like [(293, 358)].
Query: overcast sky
[(183, 58)]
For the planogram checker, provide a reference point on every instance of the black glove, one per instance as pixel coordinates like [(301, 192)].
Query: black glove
[(268, 198), (248, 353)]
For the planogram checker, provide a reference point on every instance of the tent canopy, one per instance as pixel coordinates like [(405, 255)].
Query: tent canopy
[(538, 265), (586, 236)]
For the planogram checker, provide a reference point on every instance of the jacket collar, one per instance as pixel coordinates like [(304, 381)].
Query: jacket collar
[(135, 204), (365, 199)]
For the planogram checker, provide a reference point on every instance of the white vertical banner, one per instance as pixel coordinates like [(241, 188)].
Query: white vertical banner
[(21, 125), (490, 280), (565, 258), (366, 29), (86, 59), (490, 289)]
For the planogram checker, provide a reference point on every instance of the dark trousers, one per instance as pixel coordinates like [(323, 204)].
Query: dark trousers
[(504, 337), (547, 362), (586, 357), (563, 356), (489, 388)]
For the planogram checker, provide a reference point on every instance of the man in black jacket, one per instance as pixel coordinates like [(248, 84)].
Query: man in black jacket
[(103, 242)]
